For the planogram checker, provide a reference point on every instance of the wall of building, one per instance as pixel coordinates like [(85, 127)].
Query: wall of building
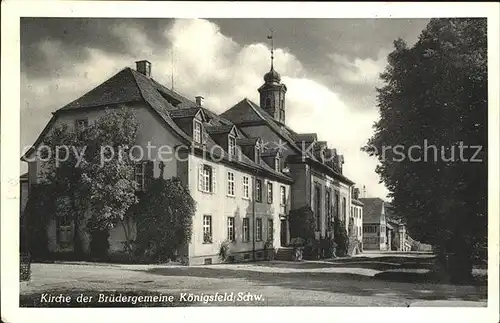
[(152, 133), (220, 206)]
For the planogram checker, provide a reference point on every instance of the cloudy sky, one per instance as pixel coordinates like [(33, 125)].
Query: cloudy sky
[(330, 67)]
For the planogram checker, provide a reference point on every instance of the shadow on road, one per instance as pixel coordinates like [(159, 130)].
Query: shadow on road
[(344, 283)]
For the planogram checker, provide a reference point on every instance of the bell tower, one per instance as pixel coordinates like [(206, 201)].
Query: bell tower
[(272, 92)]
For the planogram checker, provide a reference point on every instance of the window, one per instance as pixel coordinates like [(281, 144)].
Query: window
[(268, 102), (230, 183), (258, 190), (207, 179), (277, 164), (197, 131), (269, 192), (245, 187), (246, 229), (337, 206), (139, 175), (344, 206), (232, 145), (317, 206), (282, 195), (81, 124), (270, 230), (328, 209), (257, 154), (258, 233), (230, 229), (207, 229)]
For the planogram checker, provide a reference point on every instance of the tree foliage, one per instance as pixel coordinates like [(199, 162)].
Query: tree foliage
[(436, 91), (302, 223), (341, 237), (164, 217), (35, 220), (87, 183)]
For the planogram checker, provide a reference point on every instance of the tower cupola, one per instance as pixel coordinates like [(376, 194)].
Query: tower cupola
[(272, 92)]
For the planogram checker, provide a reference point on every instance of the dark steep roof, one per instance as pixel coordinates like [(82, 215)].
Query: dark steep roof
[(247, 111), (247, 141), (120, 88), (183, 113), (219, 129), (130, 86), (372, 209), (306, 137)]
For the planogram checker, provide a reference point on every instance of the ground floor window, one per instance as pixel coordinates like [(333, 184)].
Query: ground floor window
[(246, 229), (230, 229), (258, 231), (270, 230), (207, 229)]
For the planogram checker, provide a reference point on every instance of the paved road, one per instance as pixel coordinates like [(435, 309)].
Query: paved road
[(337, 283)]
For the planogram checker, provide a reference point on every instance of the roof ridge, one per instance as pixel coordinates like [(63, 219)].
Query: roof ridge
[(136, 82)]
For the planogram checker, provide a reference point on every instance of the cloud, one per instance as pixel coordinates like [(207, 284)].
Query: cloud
[(360, 71), (208, 63)]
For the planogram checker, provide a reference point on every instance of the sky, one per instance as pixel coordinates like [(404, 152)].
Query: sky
[(330, 67)]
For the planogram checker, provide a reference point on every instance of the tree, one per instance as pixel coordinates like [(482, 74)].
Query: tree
[(164, 218), (93, 174), (435, 94), (302, 223)]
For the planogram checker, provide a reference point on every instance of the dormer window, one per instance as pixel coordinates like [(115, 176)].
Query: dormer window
[(81, 124), (232, 145), (197, 131), (277, 164)]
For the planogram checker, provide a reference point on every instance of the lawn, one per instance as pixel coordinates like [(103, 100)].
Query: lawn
[(349, 282)]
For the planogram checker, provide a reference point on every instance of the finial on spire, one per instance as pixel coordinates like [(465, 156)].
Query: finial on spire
[(271, 37)]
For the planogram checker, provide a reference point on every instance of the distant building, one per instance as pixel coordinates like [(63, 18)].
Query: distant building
[(357, 216), (375, 233)]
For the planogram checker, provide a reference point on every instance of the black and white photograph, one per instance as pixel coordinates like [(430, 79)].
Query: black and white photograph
[(204, 160)]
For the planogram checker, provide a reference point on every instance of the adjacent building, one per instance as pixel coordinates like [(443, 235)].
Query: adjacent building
[(245, 168), (356, 220), (375, 233)]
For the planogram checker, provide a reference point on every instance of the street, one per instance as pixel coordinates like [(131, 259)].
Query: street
[(369, 280)]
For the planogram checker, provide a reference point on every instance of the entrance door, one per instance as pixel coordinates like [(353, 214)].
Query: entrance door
[(283, 233)]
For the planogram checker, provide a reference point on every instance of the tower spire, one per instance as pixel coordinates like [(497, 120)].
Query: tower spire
[(271, 37)]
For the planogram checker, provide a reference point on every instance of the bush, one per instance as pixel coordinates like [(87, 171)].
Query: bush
[(99, 243), (36, 217), (341, 238), (312, 249), (224, 250), (302, 223), (164, 217)]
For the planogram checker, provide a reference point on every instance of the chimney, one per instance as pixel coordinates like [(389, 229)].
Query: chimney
[(143, 67), (199, 100)]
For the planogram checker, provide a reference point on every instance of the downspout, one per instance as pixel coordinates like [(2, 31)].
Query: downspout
[(253, 216)]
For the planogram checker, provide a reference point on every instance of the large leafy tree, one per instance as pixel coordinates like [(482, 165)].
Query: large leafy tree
[(91, 178), (435, 93)]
